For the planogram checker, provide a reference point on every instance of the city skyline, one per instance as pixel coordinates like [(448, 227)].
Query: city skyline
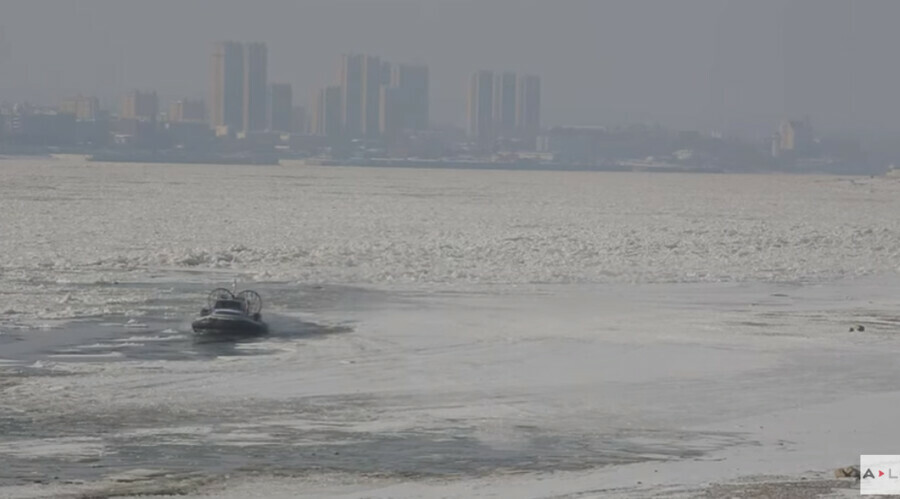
[(377, 98), (694, 64), (378, 110), (373, 99)]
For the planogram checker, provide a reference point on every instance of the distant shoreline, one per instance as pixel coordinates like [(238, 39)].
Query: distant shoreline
[(253, 159), (564, 167)]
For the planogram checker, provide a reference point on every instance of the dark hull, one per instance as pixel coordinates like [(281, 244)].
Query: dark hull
[(214, 325)]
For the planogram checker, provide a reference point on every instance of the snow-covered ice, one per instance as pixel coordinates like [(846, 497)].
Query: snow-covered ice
[(444, 333), (73, 230)]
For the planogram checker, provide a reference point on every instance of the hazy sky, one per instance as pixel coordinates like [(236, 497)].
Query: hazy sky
[(726, 64)]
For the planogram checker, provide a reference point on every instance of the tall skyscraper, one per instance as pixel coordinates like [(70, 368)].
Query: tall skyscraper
[(504, 102), (373, 80), (281, 107), (362, 77), (528, 106), (255, 86), (412, 82), (299, 120), (327, 117), (352, 95), (480, 108), (227, 93), (392, 110), (316, 112), (239, 93), (137, 105), (387, 72)]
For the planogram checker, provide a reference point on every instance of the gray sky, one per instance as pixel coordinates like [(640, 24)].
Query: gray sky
[(728, 64)]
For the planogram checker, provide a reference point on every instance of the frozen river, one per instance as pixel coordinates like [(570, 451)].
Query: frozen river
[(449, 333)]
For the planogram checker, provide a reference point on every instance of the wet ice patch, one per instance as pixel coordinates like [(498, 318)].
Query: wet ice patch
[(242, 438), (266, 346), (110, 346), (96, 346), (87, 355), (153, 338), (74, 448)]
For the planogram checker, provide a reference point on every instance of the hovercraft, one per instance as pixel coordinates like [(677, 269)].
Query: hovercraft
[(228, 313)]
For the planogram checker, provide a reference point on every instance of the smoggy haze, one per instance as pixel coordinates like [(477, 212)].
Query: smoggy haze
[(737, 65)]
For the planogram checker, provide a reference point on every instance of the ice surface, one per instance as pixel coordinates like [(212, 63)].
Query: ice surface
[(706, 381), (72, 231), (67, 448), (505, 334)]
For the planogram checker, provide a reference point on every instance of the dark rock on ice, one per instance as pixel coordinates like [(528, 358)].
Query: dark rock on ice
[(848, 472)]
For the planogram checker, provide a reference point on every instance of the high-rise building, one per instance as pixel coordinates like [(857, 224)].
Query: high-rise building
[(373, 80), (227, 92), (317, 112), (796, 137), (504, 104), (412, 82), (480, 108), (387, 72), (391, 110), (137, 105), (281, 107), (84, 108), (528, 106), (362, 77), (239, 93), (378, 97), (187, 111), (299, 120), (352, 95), (787, 136), (255, 87), (328, 112)]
